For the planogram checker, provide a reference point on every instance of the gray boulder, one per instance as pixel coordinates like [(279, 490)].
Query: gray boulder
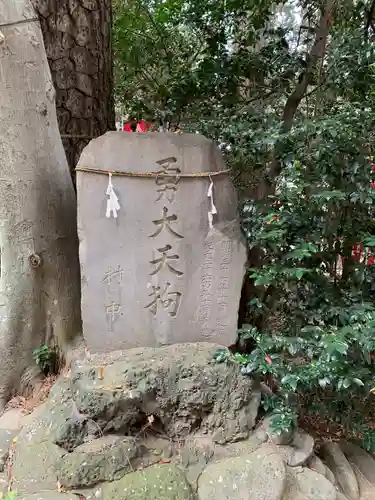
[(103, 459), (257, 476), (179, 387), (341, 469), (159, 482), (315, 464), (340, 496), (35, 458), (303, 448), (6, 438), (360, 460), (305, 484), (35, 453), (330, 476)]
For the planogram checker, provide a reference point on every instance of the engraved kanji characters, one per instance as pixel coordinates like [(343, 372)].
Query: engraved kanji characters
[(168, 300), (113, 274), (112, 312), (165, 222), (166, 297), (166, 180), (164, 261), (112, 279)]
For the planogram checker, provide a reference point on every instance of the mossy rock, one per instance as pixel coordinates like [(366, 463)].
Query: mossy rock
[(104, 459), (162, 482)]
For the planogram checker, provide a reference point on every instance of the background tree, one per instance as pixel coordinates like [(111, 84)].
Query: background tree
[(40, 283), (77, 37)]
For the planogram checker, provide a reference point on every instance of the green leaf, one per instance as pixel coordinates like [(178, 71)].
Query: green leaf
[(291, 381), (300, 273), (358, 382), (346, 383), (264, 280), (323, 382), (241, 358)]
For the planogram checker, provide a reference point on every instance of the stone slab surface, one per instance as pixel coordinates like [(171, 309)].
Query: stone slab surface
[(158, 274)]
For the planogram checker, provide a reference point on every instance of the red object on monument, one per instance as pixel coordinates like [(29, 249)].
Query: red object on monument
[(140, 126)]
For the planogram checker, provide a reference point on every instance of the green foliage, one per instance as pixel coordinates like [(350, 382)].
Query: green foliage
[(47, 359), (323, 205), (232, 70), (174, 60), (283, 420)]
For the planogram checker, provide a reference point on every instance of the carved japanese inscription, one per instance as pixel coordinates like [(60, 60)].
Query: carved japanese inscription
[(159, 273), (165, 222), (205, 297), (113, 280), (169, 301), (223, 291), (112, 311), (167, 179), (168, 297), (113, 276), (164, 261)]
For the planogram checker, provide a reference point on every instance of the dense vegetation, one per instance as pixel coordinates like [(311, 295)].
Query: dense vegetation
[(288, 91)]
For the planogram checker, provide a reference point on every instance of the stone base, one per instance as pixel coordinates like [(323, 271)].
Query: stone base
[(169, 424)]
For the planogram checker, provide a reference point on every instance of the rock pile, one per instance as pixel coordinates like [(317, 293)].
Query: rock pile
[(169, 424)]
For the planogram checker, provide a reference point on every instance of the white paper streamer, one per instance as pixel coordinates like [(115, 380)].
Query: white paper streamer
[(213, 211), (113, 205)]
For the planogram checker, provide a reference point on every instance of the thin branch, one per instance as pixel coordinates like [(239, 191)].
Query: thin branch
[(295, 98), (160, 34), (319, 86), (369, 20), (316, 53)]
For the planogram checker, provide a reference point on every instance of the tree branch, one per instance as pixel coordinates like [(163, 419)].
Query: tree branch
[(369, 20), (316, 53), (158, 32), (295, 98)]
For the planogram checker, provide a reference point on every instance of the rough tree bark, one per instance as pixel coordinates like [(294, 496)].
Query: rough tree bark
[(77, 37), (39, 283)]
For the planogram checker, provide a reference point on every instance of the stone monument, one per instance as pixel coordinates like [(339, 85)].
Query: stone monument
[(161, 251)]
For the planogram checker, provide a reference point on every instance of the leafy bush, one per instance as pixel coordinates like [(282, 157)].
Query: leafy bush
[(291, 104), (47, 359), (324, 207)]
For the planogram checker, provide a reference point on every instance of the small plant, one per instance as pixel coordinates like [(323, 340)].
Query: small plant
[(9, 495), (46, 358), (283, 420)]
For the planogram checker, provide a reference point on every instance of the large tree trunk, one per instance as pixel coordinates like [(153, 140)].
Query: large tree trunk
[(40, 283), (77, 37)]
